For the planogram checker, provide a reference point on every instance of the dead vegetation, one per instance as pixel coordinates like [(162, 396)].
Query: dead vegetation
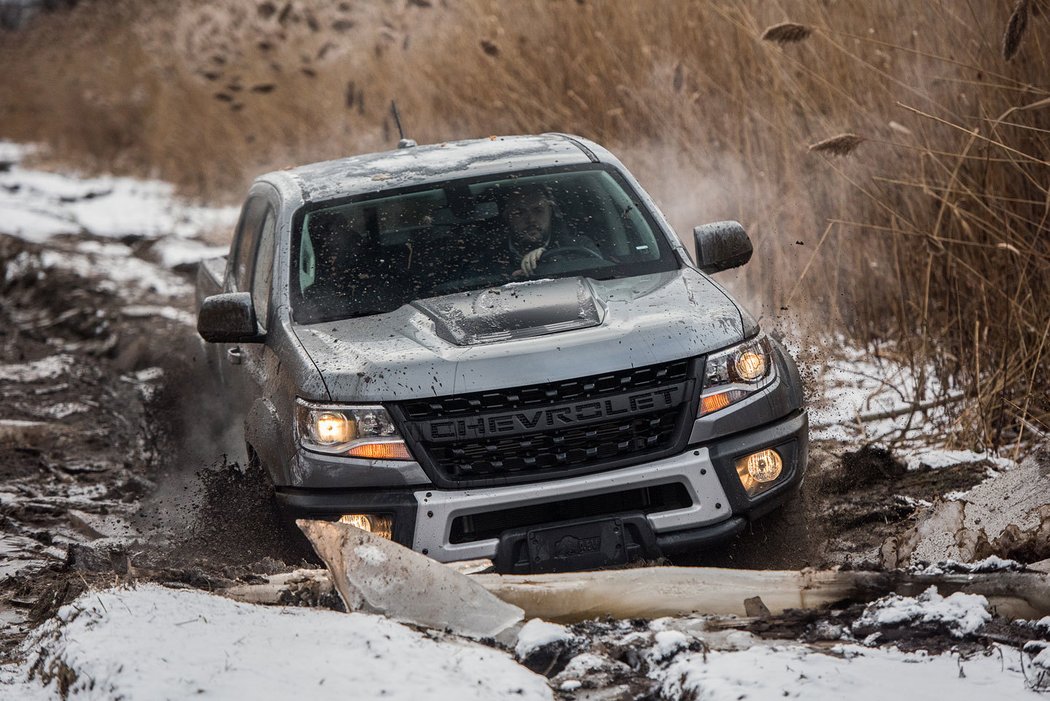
[(933, 232)]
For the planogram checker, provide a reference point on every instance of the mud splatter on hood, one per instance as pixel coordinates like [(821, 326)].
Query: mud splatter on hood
[(425, 349)]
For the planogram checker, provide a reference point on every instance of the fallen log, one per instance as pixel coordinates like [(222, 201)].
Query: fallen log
[(653, 592)]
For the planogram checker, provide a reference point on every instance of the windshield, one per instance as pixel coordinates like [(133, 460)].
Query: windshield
[(370, 256)]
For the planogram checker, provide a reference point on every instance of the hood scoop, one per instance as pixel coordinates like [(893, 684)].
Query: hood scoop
[(514, 311)]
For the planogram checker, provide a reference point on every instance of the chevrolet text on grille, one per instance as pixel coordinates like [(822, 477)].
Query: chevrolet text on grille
[(567, 415)]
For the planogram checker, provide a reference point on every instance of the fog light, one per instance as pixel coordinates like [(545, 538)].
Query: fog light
[(764, 466), (758, 470), (382, 526)]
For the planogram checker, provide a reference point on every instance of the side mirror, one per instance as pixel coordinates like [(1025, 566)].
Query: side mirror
[(721, 245), (228, 318)]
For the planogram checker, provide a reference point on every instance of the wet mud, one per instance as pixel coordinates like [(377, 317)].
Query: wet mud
[(120, 462)]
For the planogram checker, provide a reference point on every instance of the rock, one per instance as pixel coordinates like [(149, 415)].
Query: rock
[(100, 556)]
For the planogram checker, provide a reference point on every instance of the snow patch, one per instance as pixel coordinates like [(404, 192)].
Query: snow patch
[(173, 252), (668, 642), (992, 563), (141, 311), (37, 370), (37, 206), (586, 662), (853, 672), (935, 459), (117, 273), (962, 614), (154, 643), (538, 633)]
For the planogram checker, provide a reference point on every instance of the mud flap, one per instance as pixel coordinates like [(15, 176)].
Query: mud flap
[(583, 544)]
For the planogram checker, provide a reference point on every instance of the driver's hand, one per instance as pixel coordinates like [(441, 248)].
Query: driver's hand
[(531, 260)]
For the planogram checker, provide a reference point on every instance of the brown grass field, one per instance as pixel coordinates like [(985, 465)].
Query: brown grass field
[(890, 159)]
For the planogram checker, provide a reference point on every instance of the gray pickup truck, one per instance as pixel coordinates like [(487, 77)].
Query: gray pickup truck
[(499, 349)]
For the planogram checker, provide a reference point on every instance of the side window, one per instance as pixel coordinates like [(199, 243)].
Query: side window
[(264, 268), (307, 261), (246, 237)]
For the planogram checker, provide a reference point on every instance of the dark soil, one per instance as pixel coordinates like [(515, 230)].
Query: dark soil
[(156, 454)]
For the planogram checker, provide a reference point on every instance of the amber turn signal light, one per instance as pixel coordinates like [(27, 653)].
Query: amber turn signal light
[(387, 450)]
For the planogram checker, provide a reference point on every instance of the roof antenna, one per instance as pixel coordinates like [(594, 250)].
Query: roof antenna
[(403, 143)]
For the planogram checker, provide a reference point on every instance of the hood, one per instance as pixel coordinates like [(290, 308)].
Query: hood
[(521, 334)]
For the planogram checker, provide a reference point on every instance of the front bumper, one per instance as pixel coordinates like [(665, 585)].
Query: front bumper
[(717, 506)]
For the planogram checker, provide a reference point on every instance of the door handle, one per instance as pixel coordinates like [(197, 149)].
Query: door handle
[(235, 355)]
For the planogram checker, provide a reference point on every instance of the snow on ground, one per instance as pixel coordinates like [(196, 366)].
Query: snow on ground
[(155, 643), (690, 659), (152, 642), (37, 205), (37, 370), (860, 388), (120, 271), (843, 672), (173, 252), (864, 396)]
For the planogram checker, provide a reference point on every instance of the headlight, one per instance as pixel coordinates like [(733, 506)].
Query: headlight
[(736, 373), (355, 431)]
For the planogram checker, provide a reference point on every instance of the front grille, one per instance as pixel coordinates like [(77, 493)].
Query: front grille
[(543, 449), (547, 394)]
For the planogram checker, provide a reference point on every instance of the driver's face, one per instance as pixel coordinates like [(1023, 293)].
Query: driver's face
[(529, 218)]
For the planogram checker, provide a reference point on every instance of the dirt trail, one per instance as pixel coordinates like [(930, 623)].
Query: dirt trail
[(118, 460), (109, 467)]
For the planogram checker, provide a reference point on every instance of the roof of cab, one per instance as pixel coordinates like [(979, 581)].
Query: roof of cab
[(418, 165)]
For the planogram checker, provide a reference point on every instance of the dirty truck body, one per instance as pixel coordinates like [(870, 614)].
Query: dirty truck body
[(615, 404)]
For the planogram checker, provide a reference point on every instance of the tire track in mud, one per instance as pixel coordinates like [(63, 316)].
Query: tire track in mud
[(117, 456)]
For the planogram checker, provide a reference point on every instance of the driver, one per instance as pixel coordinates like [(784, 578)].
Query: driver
[(534, 226)]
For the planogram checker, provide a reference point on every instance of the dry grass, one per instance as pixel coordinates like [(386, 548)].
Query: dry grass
[(932, 234)]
